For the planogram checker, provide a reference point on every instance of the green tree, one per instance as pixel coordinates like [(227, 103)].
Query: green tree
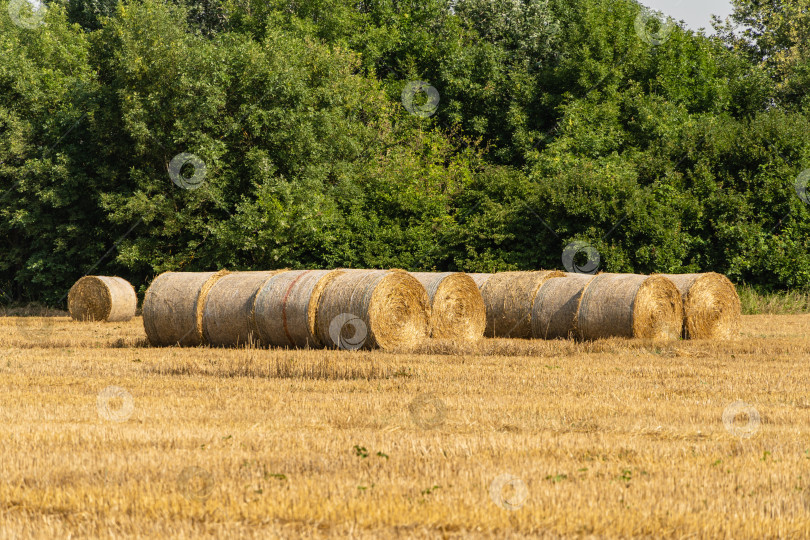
[(776, 36), (50, 223)]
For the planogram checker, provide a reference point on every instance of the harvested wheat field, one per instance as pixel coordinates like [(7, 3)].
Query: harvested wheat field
[(104, 436)]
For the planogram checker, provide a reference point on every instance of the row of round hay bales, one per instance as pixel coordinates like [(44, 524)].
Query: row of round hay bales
[(552, 305), (391, 309), (352, 309)]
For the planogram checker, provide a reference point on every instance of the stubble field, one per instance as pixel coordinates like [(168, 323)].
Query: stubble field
[(103, 436)]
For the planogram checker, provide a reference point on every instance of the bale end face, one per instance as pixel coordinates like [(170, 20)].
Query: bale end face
[(457, 308), (711, 305), (399, 312), (201, 301), (365, 309), (631, 306), (658, 310)]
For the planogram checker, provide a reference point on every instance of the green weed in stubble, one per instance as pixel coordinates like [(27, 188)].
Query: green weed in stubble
[(363, 452), (425, 492), (403, 372), (557, 477)]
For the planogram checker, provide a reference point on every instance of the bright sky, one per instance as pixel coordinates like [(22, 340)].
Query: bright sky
[(696, 13)]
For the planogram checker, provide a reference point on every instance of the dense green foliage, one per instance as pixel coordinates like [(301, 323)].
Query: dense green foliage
[(556, 122)]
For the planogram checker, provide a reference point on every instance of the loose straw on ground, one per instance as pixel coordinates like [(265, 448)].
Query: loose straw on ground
[(630, 305), (286, 305), (508, 297), (173, 307), (228, 309), (102, 298), (711, 305), (388, 309), (554, 313), (457, 307)]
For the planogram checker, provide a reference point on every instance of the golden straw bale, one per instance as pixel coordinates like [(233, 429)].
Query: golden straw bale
[(711, 305), (388, 309), (286, 305), (102, 298), (173, 307), (508, 297), (630, 305), (554, 312), (228, 309), (456, 305)]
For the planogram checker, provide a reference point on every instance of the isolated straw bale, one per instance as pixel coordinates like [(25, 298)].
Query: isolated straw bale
[(286, 305), (508, 297), (227, 319), (480, 279), (102, 298), (554, 312), (457, 309), (173, 306), (388, 309), (711, 305), (630, 305)]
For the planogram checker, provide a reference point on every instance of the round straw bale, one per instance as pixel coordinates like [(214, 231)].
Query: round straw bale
[(102, 298), (630, 305), (172, 307), (554, 312), (285, 307), (457, 309), (480, 279), (710, 304), (388, 309), (509, 297), (227, 316)]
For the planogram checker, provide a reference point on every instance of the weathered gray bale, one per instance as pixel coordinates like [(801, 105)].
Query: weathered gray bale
[(228, 311), (554, 312), (286, 307), (173, 307)]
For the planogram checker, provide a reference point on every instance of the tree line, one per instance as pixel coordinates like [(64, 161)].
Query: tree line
[(475, 135)]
